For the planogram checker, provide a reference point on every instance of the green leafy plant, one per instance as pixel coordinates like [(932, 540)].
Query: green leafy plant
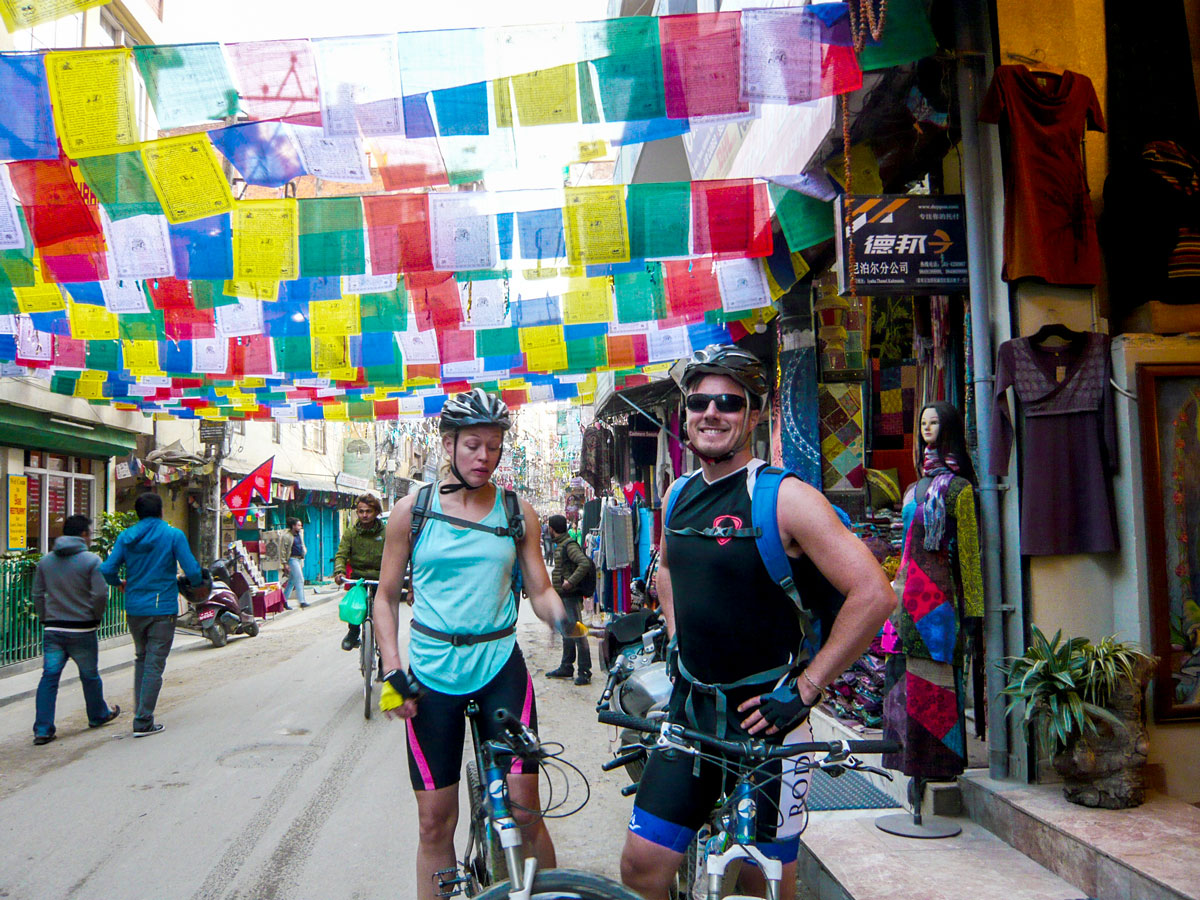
[(1065, 684), (108, 527)]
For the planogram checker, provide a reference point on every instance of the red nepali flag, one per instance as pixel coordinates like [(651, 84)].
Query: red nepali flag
[(239, 496)]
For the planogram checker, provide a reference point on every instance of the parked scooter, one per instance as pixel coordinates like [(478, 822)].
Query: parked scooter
[(634, 650), (218, 610)]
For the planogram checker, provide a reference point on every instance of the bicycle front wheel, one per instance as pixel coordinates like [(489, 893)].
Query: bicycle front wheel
[(366, 662), (567, 883)]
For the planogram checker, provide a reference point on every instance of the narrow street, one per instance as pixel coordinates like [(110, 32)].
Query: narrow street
[(266, 783)]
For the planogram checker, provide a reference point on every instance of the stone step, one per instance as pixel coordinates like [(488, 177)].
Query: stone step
[(1151, 852)]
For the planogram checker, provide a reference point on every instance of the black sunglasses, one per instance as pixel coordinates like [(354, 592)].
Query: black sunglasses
[(726, 403)]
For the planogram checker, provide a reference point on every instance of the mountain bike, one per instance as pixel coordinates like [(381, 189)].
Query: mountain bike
[(733, 825), (494, 850)]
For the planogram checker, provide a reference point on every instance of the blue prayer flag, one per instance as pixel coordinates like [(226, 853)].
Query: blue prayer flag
[(26, 122)]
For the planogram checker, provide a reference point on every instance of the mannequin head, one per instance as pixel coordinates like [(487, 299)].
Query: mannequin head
[(946, 436)]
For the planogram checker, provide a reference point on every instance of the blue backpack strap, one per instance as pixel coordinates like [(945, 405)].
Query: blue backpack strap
[(764, 514), (673, 493)]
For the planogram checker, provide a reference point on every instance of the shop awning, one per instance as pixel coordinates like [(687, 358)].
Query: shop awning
[(20, 427), (644, 395)]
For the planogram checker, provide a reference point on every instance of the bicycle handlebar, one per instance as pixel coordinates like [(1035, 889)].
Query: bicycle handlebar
[(750, 748), (519, 738)]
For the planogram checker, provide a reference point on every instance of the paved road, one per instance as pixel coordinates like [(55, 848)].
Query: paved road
[(266, 783)]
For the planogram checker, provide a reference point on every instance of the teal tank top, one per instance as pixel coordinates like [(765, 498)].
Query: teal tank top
[(461, 585)]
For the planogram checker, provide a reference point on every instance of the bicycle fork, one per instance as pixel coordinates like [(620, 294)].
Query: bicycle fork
[(521, 869), (741, 846)]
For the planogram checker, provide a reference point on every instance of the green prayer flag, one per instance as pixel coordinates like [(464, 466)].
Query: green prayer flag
[(188, 84), (16, 266), (331, 237), (589, 112), (63, 384), (628, 61), (806, 221), (293, 353), (120, 183), (497, 342), (588, 353), (639, 295), (907, 37), (360, 409), (384, 312), (104, 356), (141, 326), (659, 219)]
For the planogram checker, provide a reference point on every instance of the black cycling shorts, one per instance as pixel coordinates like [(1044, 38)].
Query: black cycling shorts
[(674, 801), (436, 733)]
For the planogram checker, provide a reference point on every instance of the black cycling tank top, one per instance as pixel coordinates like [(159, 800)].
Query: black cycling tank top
[(732, 620)]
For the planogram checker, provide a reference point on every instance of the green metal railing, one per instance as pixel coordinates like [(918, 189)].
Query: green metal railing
[(20, 630)]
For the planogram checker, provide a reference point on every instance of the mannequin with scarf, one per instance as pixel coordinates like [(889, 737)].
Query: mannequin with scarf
[(940, 589)]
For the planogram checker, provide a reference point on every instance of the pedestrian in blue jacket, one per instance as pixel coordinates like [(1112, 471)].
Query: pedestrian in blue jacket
[(150, 551)]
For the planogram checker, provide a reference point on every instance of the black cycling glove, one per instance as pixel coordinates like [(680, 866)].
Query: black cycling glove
[(784, 708), (403, 684)]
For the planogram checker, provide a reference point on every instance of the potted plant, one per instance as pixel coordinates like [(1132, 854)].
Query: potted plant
[(1085, 701)]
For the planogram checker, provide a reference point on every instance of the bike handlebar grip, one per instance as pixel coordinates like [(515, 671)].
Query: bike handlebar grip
[(874, 746), (629, 790), (511, 723), (607, 717), (624, 759)]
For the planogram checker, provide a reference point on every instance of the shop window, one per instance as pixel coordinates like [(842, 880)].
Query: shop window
[(58, 486), (314, 436)]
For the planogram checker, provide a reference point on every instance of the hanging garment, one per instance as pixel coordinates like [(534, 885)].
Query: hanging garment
[(1049, 222), (616, 526), (938, 590), (597, 458), (1069, 452)]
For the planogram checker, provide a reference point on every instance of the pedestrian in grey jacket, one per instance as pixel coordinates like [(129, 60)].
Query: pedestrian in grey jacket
[(70, 596)]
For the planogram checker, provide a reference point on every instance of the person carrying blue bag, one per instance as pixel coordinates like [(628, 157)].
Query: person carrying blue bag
[(768, 597)]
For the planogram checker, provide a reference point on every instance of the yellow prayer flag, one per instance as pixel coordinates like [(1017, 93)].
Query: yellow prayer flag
[(141, 357), (349, 373), (93, 375), (597, 229), (252, 382), (586, 301), (209, 412), (89, 390), (335, 412), (544, 348), (329, 353), (91, 323), (547, 96), (187, 177), (589, 150), (539, 274), (266, 240), (334, 318), (21, 14), (502, 100), (511, 384), (40, 298), (92, 97), (864, 169), (266, 291)]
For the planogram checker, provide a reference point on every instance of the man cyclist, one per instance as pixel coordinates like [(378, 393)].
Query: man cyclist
[(739, 669), (361, 551)]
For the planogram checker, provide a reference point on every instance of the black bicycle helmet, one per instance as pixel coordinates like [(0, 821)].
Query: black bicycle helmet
[(474, 407), (732, 361)]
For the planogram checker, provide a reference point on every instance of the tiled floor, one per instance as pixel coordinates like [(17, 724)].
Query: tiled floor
[(870, 864)]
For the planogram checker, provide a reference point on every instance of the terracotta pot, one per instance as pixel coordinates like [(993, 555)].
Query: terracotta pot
[(1107, 769)]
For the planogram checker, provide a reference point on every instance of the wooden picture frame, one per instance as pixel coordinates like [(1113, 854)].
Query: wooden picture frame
[(1169, 410)]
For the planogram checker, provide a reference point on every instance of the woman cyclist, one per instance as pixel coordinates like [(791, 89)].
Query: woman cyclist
[(462, 646)]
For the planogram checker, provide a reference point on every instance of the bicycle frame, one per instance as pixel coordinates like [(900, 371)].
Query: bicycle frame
[(490, 759)]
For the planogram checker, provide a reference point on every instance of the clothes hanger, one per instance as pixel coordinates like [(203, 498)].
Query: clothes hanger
[(1055, 330), (1036, 62)]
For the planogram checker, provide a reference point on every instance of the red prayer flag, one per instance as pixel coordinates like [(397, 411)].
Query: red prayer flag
[(54, 206), (702, 56), (731, 219), (398, 232), (691, 287), (278, 78)]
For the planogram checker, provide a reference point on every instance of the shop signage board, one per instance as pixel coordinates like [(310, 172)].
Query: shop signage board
[(352, 482), (903, 244), (212, 432), (18, 512)]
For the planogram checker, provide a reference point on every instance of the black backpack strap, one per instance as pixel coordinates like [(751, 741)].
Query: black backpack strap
[(516, 518), (420, 512)]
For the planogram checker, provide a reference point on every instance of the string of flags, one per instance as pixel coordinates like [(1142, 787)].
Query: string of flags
[(353, 227)]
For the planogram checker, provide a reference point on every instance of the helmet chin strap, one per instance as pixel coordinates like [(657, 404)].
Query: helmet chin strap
[(725, 457), (462, 482)]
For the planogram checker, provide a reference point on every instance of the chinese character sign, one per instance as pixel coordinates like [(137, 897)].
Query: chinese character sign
[(903, 244)]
